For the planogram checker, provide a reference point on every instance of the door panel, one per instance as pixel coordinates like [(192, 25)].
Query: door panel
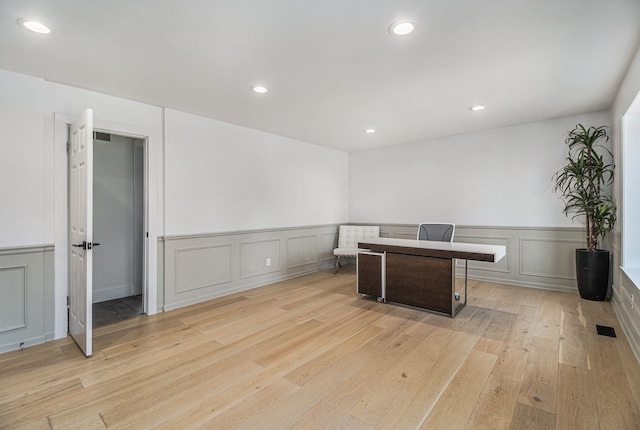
[(81, 230)]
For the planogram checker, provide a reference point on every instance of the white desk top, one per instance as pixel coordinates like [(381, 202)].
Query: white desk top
[(497, 251)]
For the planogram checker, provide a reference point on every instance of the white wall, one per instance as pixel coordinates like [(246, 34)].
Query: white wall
[(499, 177), (33, 170), (220, 177), (22, 162)]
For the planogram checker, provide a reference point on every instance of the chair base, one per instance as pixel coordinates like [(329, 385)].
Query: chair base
[(338, 265)]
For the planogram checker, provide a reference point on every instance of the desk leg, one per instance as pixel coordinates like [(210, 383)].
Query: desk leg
[(461, 305), (465, 280)]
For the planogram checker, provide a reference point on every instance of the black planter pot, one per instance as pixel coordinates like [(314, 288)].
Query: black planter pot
[(592, 271)]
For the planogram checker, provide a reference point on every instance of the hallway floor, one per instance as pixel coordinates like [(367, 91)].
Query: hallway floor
[(113, 311)]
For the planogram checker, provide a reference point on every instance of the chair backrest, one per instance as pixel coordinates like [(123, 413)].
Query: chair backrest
[(441, 232), (350, 235)]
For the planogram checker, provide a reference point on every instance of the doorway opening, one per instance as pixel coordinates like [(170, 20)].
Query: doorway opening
[(119, 227)]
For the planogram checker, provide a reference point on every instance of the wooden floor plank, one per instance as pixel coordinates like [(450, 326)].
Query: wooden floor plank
[(258, 402), (540, 381), (309, 353), (375, 405), (331, 408), (576, 406), (314, 368), (617, 408), (457, 402), (572, 346), (415, 404), (203, 401), (495, 406), (512, 362), (526, 417)]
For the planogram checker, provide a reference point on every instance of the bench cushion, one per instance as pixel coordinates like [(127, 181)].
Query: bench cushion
[(350, 235), (347, 252)]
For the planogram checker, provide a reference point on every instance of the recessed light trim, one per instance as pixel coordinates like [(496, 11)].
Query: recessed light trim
[(34, 26), (259, 89), (477, 108), (370, 130), (402, 27)]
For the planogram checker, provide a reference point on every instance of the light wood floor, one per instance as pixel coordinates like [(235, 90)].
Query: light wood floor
[(309, 354)]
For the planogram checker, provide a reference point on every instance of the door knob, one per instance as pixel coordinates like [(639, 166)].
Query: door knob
[(82, 245), (86, 245)]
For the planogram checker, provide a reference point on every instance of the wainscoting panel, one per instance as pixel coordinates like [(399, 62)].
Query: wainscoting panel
[(160, 275), (536, 257), (26, 285), (550, 258), (13, 290), (625, 295), (259, 257), (302, 251), (328, 242), (625, 303), (401, 235), (202, 267)]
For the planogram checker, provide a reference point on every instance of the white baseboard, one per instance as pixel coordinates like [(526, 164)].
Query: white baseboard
[(113, 293), (23, 344)]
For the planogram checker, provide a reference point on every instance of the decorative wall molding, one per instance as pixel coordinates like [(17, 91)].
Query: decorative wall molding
[(26, 296), (627, 309), (26, 249), (254, 255), (192, 272), (13, 290), (302, 251), (548, 258), (202, 267), (328, 241)]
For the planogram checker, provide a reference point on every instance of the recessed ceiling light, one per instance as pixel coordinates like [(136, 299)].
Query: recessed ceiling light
[(402, 28), (259, 89), (370, 130), (35, 26), (477, 108)]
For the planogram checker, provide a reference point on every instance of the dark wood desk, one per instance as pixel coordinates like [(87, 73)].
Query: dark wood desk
[(418, 273)]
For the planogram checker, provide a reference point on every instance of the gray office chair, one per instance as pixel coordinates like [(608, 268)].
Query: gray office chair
[(441, 232)]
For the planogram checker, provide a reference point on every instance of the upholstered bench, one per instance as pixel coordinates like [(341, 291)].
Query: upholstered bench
[(348, 239)]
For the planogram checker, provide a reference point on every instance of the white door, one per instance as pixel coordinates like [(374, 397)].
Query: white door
[(81, 229)]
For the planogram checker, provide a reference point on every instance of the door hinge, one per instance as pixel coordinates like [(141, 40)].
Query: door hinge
[(68, 146), (68, 301)]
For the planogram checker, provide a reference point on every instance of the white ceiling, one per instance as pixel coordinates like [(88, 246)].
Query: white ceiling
[(331, 67)]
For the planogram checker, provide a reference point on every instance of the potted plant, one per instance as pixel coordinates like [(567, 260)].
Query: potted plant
[(584, 186)]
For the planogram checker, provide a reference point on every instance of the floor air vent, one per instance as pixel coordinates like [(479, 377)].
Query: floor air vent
[(603, 330)]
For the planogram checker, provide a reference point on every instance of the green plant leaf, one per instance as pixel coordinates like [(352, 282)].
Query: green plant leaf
[(583, 181)]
